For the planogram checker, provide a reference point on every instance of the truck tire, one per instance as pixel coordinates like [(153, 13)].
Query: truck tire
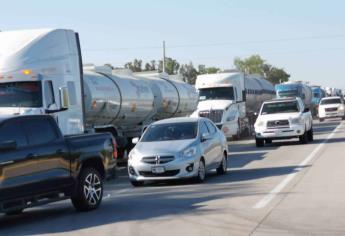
[(311, 134), (137, 183), (303, 139), (259, 142), (222, 169), (89, 190)]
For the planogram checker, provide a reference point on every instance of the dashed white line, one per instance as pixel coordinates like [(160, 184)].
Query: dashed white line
[(274, 192)]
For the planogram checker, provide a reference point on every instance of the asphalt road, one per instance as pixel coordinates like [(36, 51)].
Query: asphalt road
[(283, 188)]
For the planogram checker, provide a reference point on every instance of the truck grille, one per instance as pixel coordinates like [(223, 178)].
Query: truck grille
[(155, 160), (331, 109), (278, 124), (167, 173), (214, 115)]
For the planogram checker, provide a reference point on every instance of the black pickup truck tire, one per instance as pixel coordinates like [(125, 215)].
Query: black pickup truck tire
[(90, 190)]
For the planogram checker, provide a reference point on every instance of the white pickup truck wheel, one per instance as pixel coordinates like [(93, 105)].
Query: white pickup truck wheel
[(303, 139), (259, 142)]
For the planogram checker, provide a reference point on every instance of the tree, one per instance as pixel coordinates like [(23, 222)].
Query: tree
[(171, 66), (251, 65), (135, 66), (189, 73), (256, 65), (277, 75)]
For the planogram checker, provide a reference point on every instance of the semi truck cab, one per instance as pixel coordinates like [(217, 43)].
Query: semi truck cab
[(40, 73), (221, 100)]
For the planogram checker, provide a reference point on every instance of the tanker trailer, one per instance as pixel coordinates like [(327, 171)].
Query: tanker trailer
[(173, 98)]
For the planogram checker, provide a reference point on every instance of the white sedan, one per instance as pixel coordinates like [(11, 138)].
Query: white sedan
[(178, 148)]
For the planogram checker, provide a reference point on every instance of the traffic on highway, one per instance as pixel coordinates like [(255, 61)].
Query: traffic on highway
[(101, 149)]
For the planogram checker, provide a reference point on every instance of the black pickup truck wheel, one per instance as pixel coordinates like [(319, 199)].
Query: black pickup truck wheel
[(90, 190)]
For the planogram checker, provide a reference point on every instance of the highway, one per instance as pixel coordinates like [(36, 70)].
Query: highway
[(281, 189)]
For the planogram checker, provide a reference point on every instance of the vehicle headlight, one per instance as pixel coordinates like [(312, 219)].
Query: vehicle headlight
[(132, 154), (297, 121), (260, 123), (189, 152), (341, 108)]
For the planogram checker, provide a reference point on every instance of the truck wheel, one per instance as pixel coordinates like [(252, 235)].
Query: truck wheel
[(221, 170), (259, 142), (137, 183), (303, 139), (268, 141), (321, 119), (311, 134), (89, 190)]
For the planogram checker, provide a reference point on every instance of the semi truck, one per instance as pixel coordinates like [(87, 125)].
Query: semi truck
[(318, 94), (296, 89), (41, 72), (232, 99)]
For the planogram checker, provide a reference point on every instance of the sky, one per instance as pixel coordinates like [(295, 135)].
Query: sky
[(306, 38)]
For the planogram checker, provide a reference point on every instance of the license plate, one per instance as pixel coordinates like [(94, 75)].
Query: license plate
[(158, 169)]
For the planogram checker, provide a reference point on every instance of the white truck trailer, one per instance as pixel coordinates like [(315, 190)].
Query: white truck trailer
[(41, 72), (231, 100)]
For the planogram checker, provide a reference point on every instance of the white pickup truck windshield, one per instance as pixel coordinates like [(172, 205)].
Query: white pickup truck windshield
[(21, 94), (279, 107)]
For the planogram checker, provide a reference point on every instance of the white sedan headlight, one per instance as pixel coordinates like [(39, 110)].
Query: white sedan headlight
[(189, 152), (132, 154), (297, 121)]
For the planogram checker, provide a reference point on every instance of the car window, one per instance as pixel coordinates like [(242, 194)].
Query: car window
[(211, 127), (13, 131), (40, 131), (203, 128)]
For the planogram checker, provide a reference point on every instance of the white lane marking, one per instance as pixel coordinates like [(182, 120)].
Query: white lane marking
[(271, 195)]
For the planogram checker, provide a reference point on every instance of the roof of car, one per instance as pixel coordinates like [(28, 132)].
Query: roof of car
[(178, 120)]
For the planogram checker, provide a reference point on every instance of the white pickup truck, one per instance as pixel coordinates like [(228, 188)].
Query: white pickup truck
[(283, 119)]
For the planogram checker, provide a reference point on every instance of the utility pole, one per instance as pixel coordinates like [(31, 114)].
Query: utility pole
[(163, 56)]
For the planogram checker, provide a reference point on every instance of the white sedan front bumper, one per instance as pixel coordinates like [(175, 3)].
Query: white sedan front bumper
[(179, 168)]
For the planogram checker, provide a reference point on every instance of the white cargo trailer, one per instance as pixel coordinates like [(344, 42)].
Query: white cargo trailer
[(41, 73), (232, 99)]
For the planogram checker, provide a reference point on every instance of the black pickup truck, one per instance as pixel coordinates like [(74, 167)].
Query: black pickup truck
[(38, 165)]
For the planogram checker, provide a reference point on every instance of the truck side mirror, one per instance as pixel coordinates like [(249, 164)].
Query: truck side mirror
[(64, 98), (306, 110), (8, 145)]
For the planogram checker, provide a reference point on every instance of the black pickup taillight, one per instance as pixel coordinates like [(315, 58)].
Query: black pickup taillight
[(114, 148)]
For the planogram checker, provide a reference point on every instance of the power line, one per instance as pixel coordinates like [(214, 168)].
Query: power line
[(223, 43)]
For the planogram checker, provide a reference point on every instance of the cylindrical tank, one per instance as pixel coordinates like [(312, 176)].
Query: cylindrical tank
[(120, 100), (173, 98), (258, 90)]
